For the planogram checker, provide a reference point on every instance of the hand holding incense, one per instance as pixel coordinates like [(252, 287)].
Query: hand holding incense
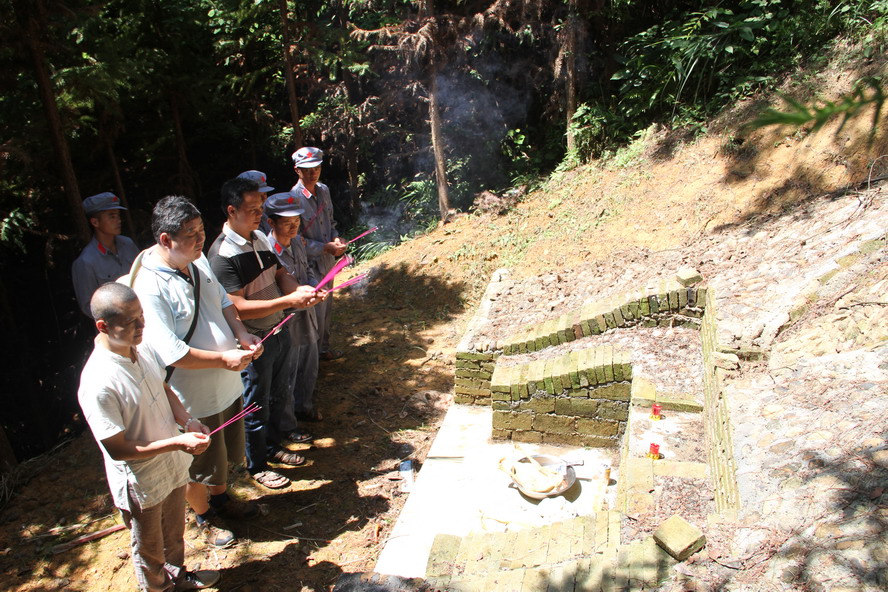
[(362, 235), (332, 273), (354, 280)]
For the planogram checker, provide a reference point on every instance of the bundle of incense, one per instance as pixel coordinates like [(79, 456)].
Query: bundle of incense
[(245, 412), (277, 327), (336, 269), (362, 235), (354, 280)]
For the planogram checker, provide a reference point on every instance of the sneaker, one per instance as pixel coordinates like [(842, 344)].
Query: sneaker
[(237, 510), (197, 580), (215, 535)]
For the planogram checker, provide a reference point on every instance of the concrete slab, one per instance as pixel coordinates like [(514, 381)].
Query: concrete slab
[(460, 490)]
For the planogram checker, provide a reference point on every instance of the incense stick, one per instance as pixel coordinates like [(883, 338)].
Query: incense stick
[(332, 273), (354, 280), (362, 235), (276, 327), (244, 412)]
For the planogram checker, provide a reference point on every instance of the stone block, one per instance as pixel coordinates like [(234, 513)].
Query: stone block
[(616, 410), (643, 392), (558, 424), (497, 405), (546, 404), (511, 420), (676, 403), (498, 434), (442, 554), (596, 427), (461, 399), (598, 441), (688, 276), (679, 538), (619, 321), (527, 436)]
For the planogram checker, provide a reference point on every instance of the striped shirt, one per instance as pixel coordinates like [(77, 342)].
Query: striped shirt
[(248, 265)]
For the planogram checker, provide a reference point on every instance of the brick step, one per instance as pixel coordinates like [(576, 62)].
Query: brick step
[(641, 565)]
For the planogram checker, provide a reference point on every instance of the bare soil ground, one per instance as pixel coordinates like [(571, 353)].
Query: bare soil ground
[(589, 231)]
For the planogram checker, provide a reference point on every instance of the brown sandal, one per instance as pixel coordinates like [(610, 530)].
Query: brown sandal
[(285, 457), (271, 480)]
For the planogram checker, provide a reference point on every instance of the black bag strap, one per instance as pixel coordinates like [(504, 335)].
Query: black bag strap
[(195, 277)]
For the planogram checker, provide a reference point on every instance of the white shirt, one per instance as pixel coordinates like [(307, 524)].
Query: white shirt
[(119, 395), (168, 303)]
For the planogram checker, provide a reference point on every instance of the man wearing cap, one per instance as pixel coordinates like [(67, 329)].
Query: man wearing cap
[(259, 178), (322, 242), (108, 255), (283, 212), (261, 290)]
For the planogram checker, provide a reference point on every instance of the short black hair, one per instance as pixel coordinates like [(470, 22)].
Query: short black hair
[(171, 214), (233, 192), (108, 300)]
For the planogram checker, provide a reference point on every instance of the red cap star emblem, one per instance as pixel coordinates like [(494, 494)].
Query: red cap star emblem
[(114, 198), (290, 200)]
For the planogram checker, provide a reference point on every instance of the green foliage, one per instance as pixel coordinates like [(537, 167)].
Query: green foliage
[(867, 91)]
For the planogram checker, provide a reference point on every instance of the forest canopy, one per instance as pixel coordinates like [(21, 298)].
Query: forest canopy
[(418, 105)]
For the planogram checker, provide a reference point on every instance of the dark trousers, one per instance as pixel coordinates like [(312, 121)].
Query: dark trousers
[(266, 383)]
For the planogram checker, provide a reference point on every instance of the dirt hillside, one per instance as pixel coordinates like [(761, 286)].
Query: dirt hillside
[(382, 402)]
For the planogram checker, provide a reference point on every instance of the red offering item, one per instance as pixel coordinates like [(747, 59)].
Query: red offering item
[(277, 327), (245, 412), (656, 409), (654, 451)]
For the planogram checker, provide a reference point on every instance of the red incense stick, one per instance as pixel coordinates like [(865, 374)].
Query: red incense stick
[(354, 280), (245, 412), (277, 327), (362, 235), (332, 273)]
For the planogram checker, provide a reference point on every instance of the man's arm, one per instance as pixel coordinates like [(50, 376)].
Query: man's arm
[(247, 340), (119, 448), (85, 284)]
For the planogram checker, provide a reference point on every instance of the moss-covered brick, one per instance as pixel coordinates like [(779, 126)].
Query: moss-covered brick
[(682, 298), (614, 391), (562, 439), (461, 399), (476, 356), (673, 300), (679, 538), (527, 436), (653, 304), (626, 311), (581, 407), (616, 410), (608, 363), (634, 310), (609, 321), (488, 366), (596, 427), (550, 384), (644, 307), (475, 392), (599, 366), (563, 406), (512, 420), (544, 404), (467, 382), (498, 405), (467, 364), (558, 424), (500, 396), (463, 373), (617, 365), (600, 325), (627, 368), (573, 370), (619, 321), (498, 434)]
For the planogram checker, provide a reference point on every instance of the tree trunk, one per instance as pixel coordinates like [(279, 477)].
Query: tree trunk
[(118, 184), (31, 34), (438, 148), (185, 182), (570, 79), (289, 68)]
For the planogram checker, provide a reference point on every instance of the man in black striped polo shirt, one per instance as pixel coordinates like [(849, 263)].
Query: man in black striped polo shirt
[(261, 291)]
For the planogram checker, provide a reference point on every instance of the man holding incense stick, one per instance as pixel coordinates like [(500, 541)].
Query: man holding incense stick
[(195, 328), (261, 290), (283, 213), (322, 241), (133, 415)]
